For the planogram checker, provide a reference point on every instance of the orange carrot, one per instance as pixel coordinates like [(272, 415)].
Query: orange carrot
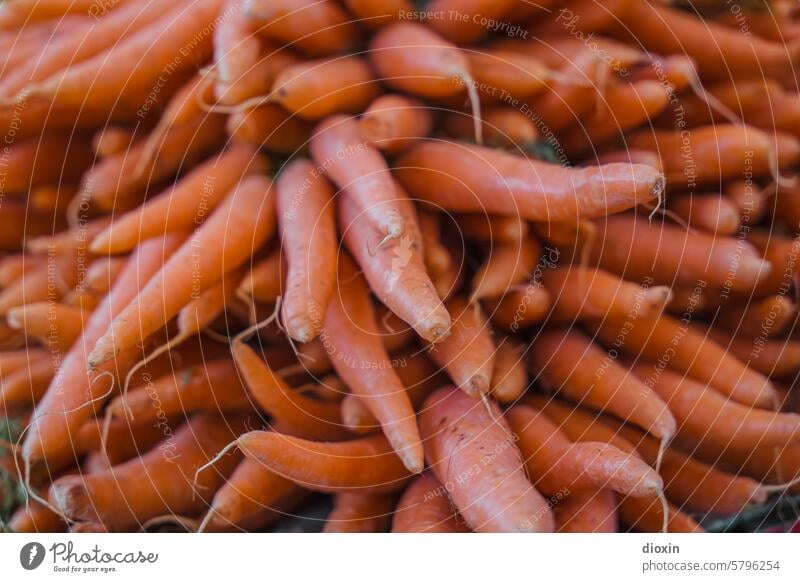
[(504, 127), (392, 122), (460, 431), (488, 227), (229, 237), (509, 377), (266, 280), (269, 127), (41, 161), (395, 270), (363, 364), (507, 75), (102, 274), (779, 357), (508, 264), (709, 212), (307, 223), (587, 512), (55, 325), (355, 512), (469, 178), (425, 507), (436, 255), (767, 317), (647, 515), (359, 170), (672, 343), (26, 386), (571, 364), (521, 308), (368, 465), (375, 13)]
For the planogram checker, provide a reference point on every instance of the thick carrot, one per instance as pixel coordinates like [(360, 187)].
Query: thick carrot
[(521, 308), (120, 498), (468, 178), (316, 27), (491, 228), (67, 403), (116, 77), (707, 416), (314, 90), (229, 237), (393, 122), (266, 279), (462, 432), (363, 364), (425, 507), (674, 344), (269, 127), (587, 512), (355, 512), (395, 270), (766, 317), (295, 413), (121, 439), (51, 159), (304, 201), (257, 80), (237, 49), (468, 353), (669, 254), (359, 170), (571, 364), (709, 212), (583, 292), (54, 325), (778, 357), (366, 465), (554, 463), (509, 377), (507, 265), (507, 75), (247, 497)]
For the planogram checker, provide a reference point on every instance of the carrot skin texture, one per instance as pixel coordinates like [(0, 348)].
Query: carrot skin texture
[(425, 507)]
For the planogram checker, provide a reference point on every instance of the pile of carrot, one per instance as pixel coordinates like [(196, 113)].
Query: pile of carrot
[(461, 265)]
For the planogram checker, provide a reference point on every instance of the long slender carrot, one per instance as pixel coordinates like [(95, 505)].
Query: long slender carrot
[(233, 232), (393, 122), (468, 178), (67, 403), (316, 27), (587, 512), (363, 364), (120, 498), (673, 344), (571, 364), (395, 270), (583, 292), (367, 465), (307, 224), (461, 433), (778, 357), (425, 507), (121, 439), (54, 324), (359, 170), (360, 513), (101, 275)]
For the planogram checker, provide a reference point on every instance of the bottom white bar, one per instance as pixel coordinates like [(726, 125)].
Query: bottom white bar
[(400, 557)]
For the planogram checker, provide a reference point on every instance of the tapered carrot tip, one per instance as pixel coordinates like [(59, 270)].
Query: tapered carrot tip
[(71, 496), (657, 298), (102, 352), (620, 186), (99, 244), (753, 268), (413, 458)]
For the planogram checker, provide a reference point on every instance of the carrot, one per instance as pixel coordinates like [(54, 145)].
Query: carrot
[(38, 162), (11, 361), (202, 311), (509, 377), (118, 180), (297, 414), (266, 278), (571, 364), (314, 90), (491, 228), (587, 512), (66, 406), (376, 13), (363, 364), (237, 49), (674, 344), (462, 432), (355, 512), (668, 254), (26, 386), (500, 183), (269, 127), (35, 11), (12, 267), (55, 325), (468, 353), (708, 416), (647, 515), (678, 71), (112, 140), (688, 300), (766, 317), (242, 222), (68, 50), (583, 292), (414, 59), (121, 439), (368, 464), (258, 78), (709, 212), (436, 255), (307, 223), (316, 27), (521, 308), (425, 507), (34, 517), (393, 122), (359, 170), (119, 498), (102, 274), (502, 127), (395, 270), (630, 156), (116, 75), (778, 357), (554, 463), (507, 265)]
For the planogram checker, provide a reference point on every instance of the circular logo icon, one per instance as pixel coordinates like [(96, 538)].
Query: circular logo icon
[(31, 555)]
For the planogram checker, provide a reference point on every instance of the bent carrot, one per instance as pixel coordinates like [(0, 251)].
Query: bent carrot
[(461, 431), (469, 178)]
